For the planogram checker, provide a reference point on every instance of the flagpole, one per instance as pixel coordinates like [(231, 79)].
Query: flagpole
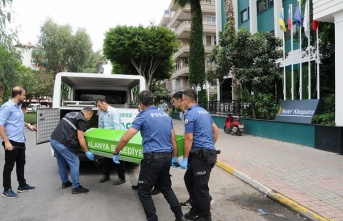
[(284, 62), (292, 89), (318, 76), (308, 46), (301, 64)]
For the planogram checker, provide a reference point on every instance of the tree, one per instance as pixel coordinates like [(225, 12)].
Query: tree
[(253, 57), (9, 58), (7, 37), (148, 50), (62, 50), (9, 61), (196, 46), (94, 62)]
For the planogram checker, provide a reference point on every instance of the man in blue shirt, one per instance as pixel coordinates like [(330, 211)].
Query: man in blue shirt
[(201, 133), (13, 135), (110, 118), (159, 150)]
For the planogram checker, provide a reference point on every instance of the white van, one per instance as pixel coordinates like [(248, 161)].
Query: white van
[(84, 89)]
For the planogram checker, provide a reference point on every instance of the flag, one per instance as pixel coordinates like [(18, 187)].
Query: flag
[(289, 20), (297, 15), (315, 24), (282, 22), (306, 23)]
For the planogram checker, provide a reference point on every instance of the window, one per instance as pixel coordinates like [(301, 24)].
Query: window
[(271, 3), (208, 39), (244, 15), (261, 6), (112, 97), (210, 20)]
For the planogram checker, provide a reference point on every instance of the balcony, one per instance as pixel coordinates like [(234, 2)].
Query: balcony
[(184, 30), (209, 28), (182, 52), (166, 17), (181, 72), (182, 14)]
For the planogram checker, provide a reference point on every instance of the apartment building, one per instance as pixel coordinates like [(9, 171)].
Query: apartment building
[(178, 19), (263, 16), (27, 51)]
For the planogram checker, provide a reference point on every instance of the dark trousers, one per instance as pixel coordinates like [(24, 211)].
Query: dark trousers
[(16, 156), (196, 179), (108, 164), (156, 170)]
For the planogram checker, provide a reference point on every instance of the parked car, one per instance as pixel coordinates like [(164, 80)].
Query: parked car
[(32, 108)]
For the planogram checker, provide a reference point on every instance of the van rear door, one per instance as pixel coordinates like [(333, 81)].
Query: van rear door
[(47, 120)]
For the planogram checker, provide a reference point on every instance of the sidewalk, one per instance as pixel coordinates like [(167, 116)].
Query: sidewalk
[(309, 181)]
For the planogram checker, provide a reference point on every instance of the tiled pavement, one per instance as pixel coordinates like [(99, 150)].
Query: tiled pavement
[(308, 180)]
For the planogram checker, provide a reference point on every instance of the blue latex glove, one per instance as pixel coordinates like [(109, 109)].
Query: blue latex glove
[(90, 156), (115, 158), (175, 162), (184, 163)]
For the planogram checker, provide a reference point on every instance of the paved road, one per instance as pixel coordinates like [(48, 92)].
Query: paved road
[(234, 199), (306, 179)]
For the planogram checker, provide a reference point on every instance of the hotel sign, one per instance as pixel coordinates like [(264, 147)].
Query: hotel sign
[(299, 111)]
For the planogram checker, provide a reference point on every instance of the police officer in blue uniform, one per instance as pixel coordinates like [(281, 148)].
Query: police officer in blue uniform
[(200, 155), (159, 150)]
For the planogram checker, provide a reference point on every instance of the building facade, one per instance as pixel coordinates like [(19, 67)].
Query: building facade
[(332, 11), (27, 54), (178, 19)]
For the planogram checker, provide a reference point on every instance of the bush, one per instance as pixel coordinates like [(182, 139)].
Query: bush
[(30, 118), (328, 116)]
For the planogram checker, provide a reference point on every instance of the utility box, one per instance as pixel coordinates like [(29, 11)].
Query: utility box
[(102, 142)]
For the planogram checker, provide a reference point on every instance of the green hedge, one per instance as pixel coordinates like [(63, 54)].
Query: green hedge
[(30, 118)]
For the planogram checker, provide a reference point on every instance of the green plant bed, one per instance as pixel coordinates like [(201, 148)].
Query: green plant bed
[(30, 118)]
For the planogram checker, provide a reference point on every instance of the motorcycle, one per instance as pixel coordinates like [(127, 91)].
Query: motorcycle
[(233, 126)]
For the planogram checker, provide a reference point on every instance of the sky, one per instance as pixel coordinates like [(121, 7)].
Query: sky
[(97, 17)]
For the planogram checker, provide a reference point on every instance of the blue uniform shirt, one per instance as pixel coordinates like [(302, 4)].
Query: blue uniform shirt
[(155, 127), (12, 118), (111, 119), (199, 122)]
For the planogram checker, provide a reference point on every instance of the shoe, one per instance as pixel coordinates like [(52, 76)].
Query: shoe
[(187, 203), (9, 194), (134, 187), (66, 185), (155, 191), (25, 188), (104, 179), (182, 218), (119, 181), (192, 214), (79, 189)]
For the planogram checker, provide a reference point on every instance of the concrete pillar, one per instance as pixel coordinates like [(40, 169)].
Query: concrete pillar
[(253, 16), (277, 10), (338, 69)]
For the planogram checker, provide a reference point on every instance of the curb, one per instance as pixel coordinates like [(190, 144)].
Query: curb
[(273, 194)]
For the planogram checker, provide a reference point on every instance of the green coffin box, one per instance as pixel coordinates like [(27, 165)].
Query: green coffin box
[(102, 142)]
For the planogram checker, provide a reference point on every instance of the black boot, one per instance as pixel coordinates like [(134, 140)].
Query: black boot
[(181, 218), (192, 214)]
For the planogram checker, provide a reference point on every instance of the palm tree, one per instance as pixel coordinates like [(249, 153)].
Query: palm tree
[(196, 47), (230, 18)]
